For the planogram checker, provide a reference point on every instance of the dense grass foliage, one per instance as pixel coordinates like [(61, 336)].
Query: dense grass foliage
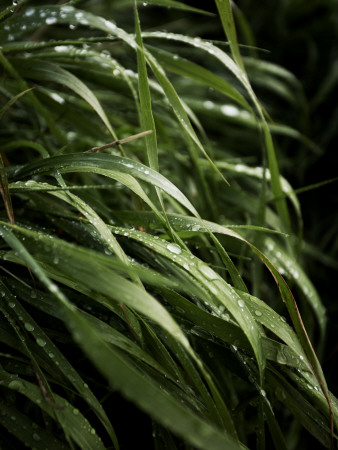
[(153, 285)]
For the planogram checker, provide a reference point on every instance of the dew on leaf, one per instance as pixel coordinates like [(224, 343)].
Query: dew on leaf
[(41, 342), (174, 248)]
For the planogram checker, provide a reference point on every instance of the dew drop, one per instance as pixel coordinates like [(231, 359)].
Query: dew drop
[(29, 12), (195, 228), (16, 385), (51, 20), (240, 303), (258, 313), (36, 437), (29, 326), (230, 110), (208, 272), (208, 104), (57, 98), (41, 342), (174, 248)]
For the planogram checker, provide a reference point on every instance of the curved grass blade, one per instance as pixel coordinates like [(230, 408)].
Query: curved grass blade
[(291, 269), (225, 13), (237, 307), (11, 102), (176, 5), (290, 302), (309, 416), (219, 324), (29, 144), (147, 119), (57, 359), (68, 14), (46, 71), (108, 165), (241, 75), (184, 67), (31, 97), (147, 395), (73, 422), (28, 432)]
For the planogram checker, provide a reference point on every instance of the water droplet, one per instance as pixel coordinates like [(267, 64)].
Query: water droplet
[(230, 110), (61, 48), (92, 431), (208, 272), (208, 104), (241, 303), (195, 228), (174, 248), (67, 8), (29, 12), (29, 326), (11, 304), (51, 20), (258, 313), (57, 98), (75, 411), (41, 342), (16, 385), (36, 437)]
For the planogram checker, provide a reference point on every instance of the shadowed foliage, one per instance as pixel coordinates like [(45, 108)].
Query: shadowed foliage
[(155, 280)]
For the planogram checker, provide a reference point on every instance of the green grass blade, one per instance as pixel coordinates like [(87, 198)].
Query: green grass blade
[(109, 165), (59, 362), (45, 71), (20, 425), (11, 102), (184, 67), (225, 14), (133, 385), (176, 5), (73, 422)]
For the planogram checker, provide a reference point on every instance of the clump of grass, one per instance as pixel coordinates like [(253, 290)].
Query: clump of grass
[(150, 245)]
